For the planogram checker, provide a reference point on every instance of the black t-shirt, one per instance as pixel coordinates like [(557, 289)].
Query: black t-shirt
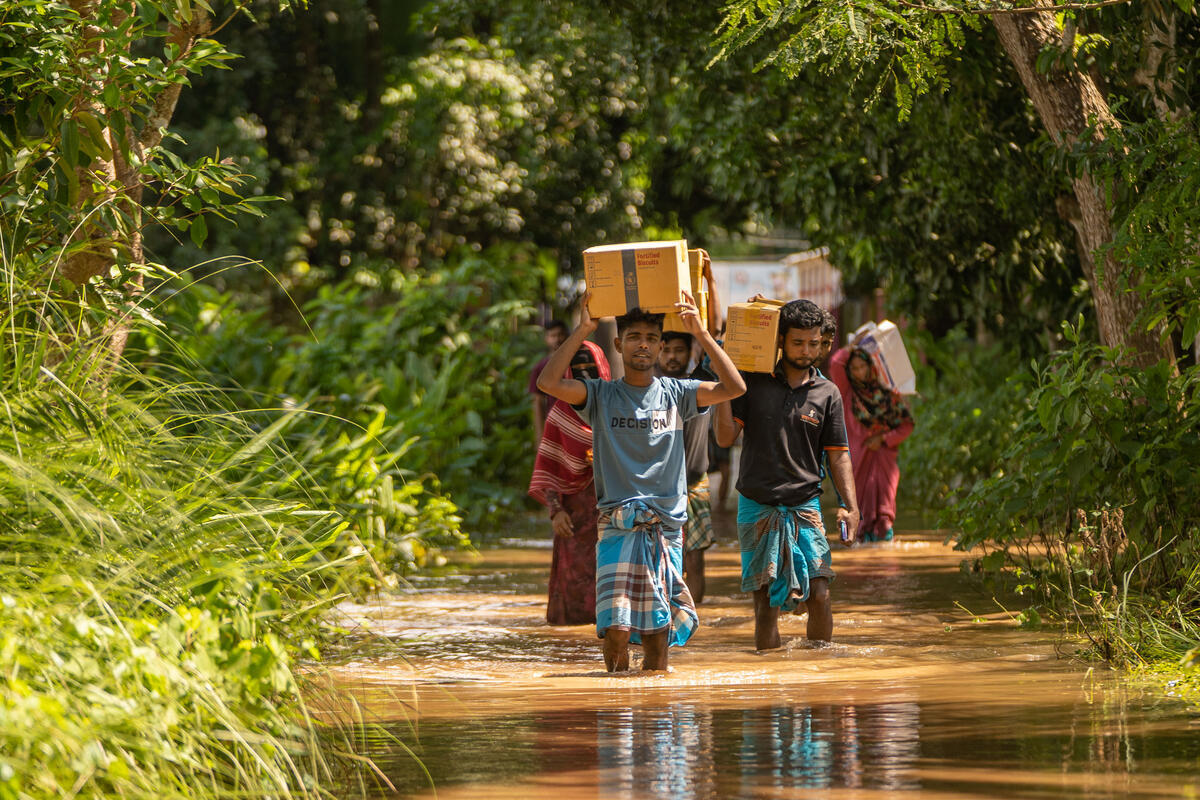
[(785, 432)]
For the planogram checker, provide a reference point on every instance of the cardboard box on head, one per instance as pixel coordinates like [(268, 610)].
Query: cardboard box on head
[(646, 275), (752, 335)]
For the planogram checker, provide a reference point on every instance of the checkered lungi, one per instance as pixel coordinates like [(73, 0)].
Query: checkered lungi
[(639, 576), (783, 547), (698, 531)]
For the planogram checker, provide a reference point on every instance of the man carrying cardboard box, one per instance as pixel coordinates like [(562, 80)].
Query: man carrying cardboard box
[(790, 417), (638, 454), (677, 354), (698, 534)]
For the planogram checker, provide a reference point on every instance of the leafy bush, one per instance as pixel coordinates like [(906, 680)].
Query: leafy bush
[(429, 368), (966, 415), (1094, 497)]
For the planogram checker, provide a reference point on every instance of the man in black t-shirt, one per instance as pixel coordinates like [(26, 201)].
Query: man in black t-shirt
[(790, 419)]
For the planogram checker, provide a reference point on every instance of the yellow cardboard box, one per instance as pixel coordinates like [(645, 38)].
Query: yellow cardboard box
[(696, 269), (752, 335), (648, 275), (673, 322)]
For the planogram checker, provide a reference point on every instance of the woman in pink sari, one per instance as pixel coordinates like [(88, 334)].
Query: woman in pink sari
[(877, 421), (562, 481)]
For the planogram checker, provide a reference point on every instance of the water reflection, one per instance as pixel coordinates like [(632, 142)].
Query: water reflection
[(687, 752), (657, 753), (694, 751)]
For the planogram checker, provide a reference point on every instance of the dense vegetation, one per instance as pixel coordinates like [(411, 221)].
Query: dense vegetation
[(271, 275)]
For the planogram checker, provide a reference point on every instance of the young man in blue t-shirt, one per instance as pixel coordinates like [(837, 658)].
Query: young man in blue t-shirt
[(641, 488)]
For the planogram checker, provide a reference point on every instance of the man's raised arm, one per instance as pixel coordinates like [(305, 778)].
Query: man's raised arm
[(729, 383), (715, 321), (551, 381), (726, 428)]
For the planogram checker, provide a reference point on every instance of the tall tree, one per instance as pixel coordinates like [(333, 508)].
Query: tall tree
[(88, 89), (913, 41)]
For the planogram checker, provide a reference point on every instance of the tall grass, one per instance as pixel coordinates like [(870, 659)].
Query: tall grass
[(161, 568)]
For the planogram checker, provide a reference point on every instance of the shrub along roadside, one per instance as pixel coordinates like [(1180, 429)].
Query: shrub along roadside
[(161, 567), (431, 369), (1075, 476)]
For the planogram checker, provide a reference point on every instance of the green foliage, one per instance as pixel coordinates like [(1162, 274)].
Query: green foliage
[(612, 124), (85, 96), (162, 566), (1158, 178), (967, 414), (896, 45), (431, 371), (1093, 494), (451, 139)]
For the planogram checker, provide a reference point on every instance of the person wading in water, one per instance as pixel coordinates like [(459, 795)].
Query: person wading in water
[(877, 421), (562, 481), (638, 447), (790, 417)]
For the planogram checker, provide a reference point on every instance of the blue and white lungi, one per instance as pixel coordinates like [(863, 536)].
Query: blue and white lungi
[(783, 547), (639, 576)]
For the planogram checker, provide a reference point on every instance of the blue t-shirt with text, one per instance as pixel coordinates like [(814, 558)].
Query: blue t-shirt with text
[(638, 444)]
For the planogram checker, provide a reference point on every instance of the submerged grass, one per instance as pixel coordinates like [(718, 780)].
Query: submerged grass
[(162, 565)]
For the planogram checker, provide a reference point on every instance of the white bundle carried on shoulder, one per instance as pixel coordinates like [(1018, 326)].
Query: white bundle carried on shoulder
[(882, 342)]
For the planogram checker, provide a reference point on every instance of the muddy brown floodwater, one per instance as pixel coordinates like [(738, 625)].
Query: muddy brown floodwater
[(929, 690)]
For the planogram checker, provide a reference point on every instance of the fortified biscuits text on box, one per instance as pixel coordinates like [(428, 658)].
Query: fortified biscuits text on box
[(752, 335), (646, 275)]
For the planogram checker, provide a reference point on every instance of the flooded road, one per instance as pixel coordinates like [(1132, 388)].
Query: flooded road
[(929, 689)]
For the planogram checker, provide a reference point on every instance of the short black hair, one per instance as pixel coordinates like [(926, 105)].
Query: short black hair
[(555, 323), (829, 324), (670, 336), (636, 314), (801, 314)]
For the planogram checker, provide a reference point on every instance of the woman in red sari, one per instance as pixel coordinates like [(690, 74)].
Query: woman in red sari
[(877, 421), (562, 481)]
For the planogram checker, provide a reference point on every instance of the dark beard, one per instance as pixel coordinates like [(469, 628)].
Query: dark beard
[(798, 366), (679, 373)]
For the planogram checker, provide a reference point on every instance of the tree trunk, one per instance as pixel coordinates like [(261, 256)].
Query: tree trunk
[(1067, 101), (122, 181)]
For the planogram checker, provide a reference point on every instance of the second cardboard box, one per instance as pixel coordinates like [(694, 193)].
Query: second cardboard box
[(752, 335)]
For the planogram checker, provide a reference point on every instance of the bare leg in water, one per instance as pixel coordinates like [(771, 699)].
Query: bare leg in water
[(616, 650), (820, 616), (655, 647), (766, 620), (820, 611)]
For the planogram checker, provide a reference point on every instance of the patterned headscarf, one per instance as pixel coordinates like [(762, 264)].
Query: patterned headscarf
[(874, 405)]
